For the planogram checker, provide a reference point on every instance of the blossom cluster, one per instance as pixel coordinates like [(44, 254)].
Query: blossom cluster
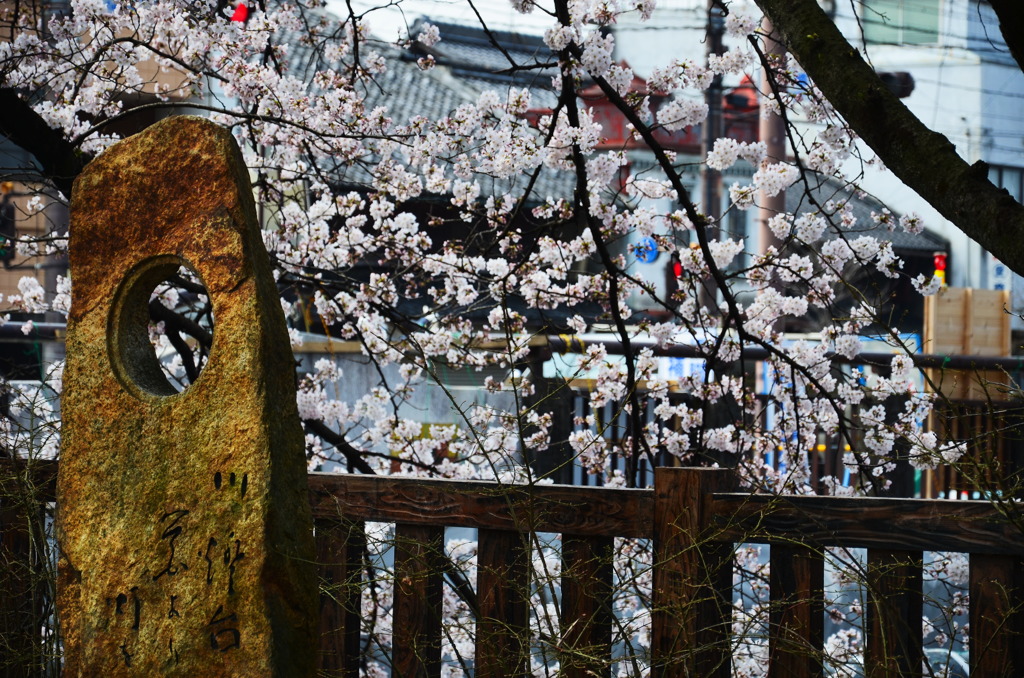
[(425, 240)]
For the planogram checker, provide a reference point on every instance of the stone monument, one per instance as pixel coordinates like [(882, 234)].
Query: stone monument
[(183, 518)]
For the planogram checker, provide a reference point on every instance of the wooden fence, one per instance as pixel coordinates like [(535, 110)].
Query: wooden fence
[(694, 518)]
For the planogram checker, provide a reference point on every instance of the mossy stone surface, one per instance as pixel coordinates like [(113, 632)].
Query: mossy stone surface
[(183, 518)]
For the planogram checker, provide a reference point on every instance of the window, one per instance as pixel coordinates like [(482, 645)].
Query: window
[(901, 22), (1009, 178), (1012, 179), (737, 227)]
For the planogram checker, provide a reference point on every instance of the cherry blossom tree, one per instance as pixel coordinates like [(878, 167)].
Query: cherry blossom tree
[(426, 240), (308, 130)]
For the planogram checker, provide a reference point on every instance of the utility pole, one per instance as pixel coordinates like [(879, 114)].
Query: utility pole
[(724, 411), (772, 131), (714, 126)]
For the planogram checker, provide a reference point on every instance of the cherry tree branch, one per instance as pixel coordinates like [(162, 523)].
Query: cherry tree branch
[(925, 160), (1011, 25), (638, 441)]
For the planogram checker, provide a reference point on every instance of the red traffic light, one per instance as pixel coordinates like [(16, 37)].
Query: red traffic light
[(241, 13)]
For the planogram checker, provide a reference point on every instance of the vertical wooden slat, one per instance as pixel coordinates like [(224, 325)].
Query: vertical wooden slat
[(1000, 433), (796, 618), (692, 612), (586, 613), (997, 641), (831, 449), (1013, 436), (502, 631), (417, 610), (814, 468), (339, 552), (16, 650), (901, 477), (23, 581), (894, 614)]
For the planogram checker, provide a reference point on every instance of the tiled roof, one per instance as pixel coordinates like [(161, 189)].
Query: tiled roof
[(466, 68), (522, 61)]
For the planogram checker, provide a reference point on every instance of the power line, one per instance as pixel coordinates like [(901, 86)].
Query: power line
[(969, 88)]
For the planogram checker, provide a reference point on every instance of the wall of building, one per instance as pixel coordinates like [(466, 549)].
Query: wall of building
[(30, 222)]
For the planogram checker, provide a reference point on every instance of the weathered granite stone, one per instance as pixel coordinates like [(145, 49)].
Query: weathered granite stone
[(183, 519)]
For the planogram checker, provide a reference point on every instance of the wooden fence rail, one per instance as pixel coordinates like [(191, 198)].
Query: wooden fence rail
[(694, 517)]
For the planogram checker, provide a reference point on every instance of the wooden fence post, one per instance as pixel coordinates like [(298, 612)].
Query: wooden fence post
[(502, 627), (797, 614), (26, 595), (997, 620), (586, 614), (894, 612), (340, 545), (692, 611), (16, 614), (417, 610)]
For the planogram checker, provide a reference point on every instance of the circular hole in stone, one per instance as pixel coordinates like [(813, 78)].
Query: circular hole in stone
[(161, 327), (181, 326)]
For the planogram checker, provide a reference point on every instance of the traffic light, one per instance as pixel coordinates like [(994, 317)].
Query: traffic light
[(241, 13), (899, 83), (940, 267)]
